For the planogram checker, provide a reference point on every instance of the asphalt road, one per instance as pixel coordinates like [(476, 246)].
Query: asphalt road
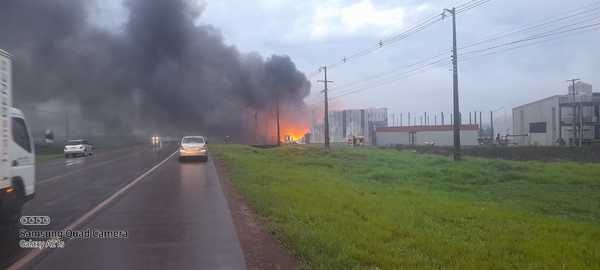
[(175, 215)]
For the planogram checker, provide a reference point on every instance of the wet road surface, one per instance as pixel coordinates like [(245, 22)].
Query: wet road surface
[(174, 214)]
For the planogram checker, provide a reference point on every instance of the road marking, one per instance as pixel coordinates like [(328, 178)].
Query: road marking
[(53, 178), (27, 259)]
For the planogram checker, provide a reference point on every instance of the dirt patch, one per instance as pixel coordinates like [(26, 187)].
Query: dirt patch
[(261, 250)]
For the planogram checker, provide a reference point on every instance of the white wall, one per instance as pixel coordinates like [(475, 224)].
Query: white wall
[(391, 138), (441, 138), (545, 110)]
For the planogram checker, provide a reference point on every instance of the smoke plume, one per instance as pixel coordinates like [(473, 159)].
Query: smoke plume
[(160, 72)]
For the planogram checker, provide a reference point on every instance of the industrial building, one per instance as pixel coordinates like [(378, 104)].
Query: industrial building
[(441, 135), (347, 123), (570, 119)]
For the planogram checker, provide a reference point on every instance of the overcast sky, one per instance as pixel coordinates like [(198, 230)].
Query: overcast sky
[(317, 32)]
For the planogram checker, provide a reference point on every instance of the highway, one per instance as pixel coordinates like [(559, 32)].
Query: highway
[(174, 214)]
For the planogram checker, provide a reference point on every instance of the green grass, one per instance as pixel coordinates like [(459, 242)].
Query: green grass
[(385, 209)]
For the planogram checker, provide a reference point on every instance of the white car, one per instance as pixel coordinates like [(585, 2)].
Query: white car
[(78, 148), (155, 140), (193, 147)]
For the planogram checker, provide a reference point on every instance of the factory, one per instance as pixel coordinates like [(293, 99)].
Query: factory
[(347, 123), (570, 119), (439, 135)]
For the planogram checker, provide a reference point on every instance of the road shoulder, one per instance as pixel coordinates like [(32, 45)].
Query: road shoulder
[(261, 249)]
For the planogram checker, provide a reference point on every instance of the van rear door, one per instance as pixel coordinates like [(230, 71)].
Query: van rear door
[(5, 122)]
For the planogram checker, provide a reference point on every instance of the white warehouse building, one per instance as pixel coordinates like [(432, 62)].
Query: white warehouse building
[(572, 118), (441, 135)]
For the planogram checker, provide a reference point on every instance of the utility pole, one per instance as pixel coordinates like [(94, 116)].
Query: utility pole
[(326, 118), (573, 81), (480, 124), (457, 154), (278, 127), (256, 134), (492, 124)]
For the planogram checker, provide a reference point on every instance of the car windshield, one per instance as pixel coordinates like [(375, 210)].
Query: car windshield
[(192, 140), (75, 142)]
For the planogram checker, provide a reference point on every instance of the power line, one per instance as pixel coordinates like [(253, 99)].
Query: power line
[(530, 38), (464, 59), (404, 75), (418, 27), (471, 6), (346, 86), (528, 27), (388, 41), (431, 65), (534, 37)]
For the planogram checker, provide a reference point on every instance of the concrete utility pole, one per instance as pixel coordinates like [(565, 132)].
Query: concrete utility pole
[(326, 118), (480, 124), (492, 124), (256, 134), (573, 140), (457, 154), (278, 127)]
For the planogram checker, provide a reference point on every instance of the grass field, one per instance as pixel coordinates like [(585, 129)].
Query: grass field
[(385, 209)]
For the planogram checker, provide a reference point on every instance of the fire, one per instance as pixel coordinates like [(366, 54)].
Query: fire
[(293, 132), (293, 126)]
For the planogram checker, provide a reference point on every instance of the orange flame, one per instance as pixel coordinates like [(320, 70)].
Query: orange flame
[(293, 131)]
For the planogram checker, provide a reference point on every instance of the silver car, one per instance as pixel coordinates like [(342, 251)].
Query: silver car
[(193, 147), (78, 148)]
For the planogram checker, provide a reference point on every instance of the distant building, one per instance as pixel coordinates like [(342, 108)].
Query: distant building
[(569, 118), (441, 135), (347, 123)]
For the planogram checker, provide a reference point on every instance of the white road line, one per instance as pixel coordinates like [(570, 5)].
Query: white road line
[(27, 259), (53, 178)]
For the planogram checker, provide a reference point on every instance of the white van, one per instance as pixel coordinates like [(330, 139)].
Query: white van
[(17, 156)]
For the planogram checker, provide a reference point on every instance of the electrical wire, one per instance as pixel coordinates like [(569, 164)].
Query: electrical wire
[(530, 38)]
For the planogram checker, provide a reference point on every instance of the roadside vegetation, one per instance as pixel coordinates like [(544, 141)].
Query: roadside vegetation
[(368, 208)]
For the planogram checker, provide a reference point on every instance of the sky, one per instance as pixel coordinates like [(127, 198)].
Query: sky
[(315, 33)]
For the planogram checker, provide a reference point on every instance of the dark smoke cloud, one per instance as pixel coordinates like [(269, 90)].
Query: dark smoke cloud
[(161, 72)]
